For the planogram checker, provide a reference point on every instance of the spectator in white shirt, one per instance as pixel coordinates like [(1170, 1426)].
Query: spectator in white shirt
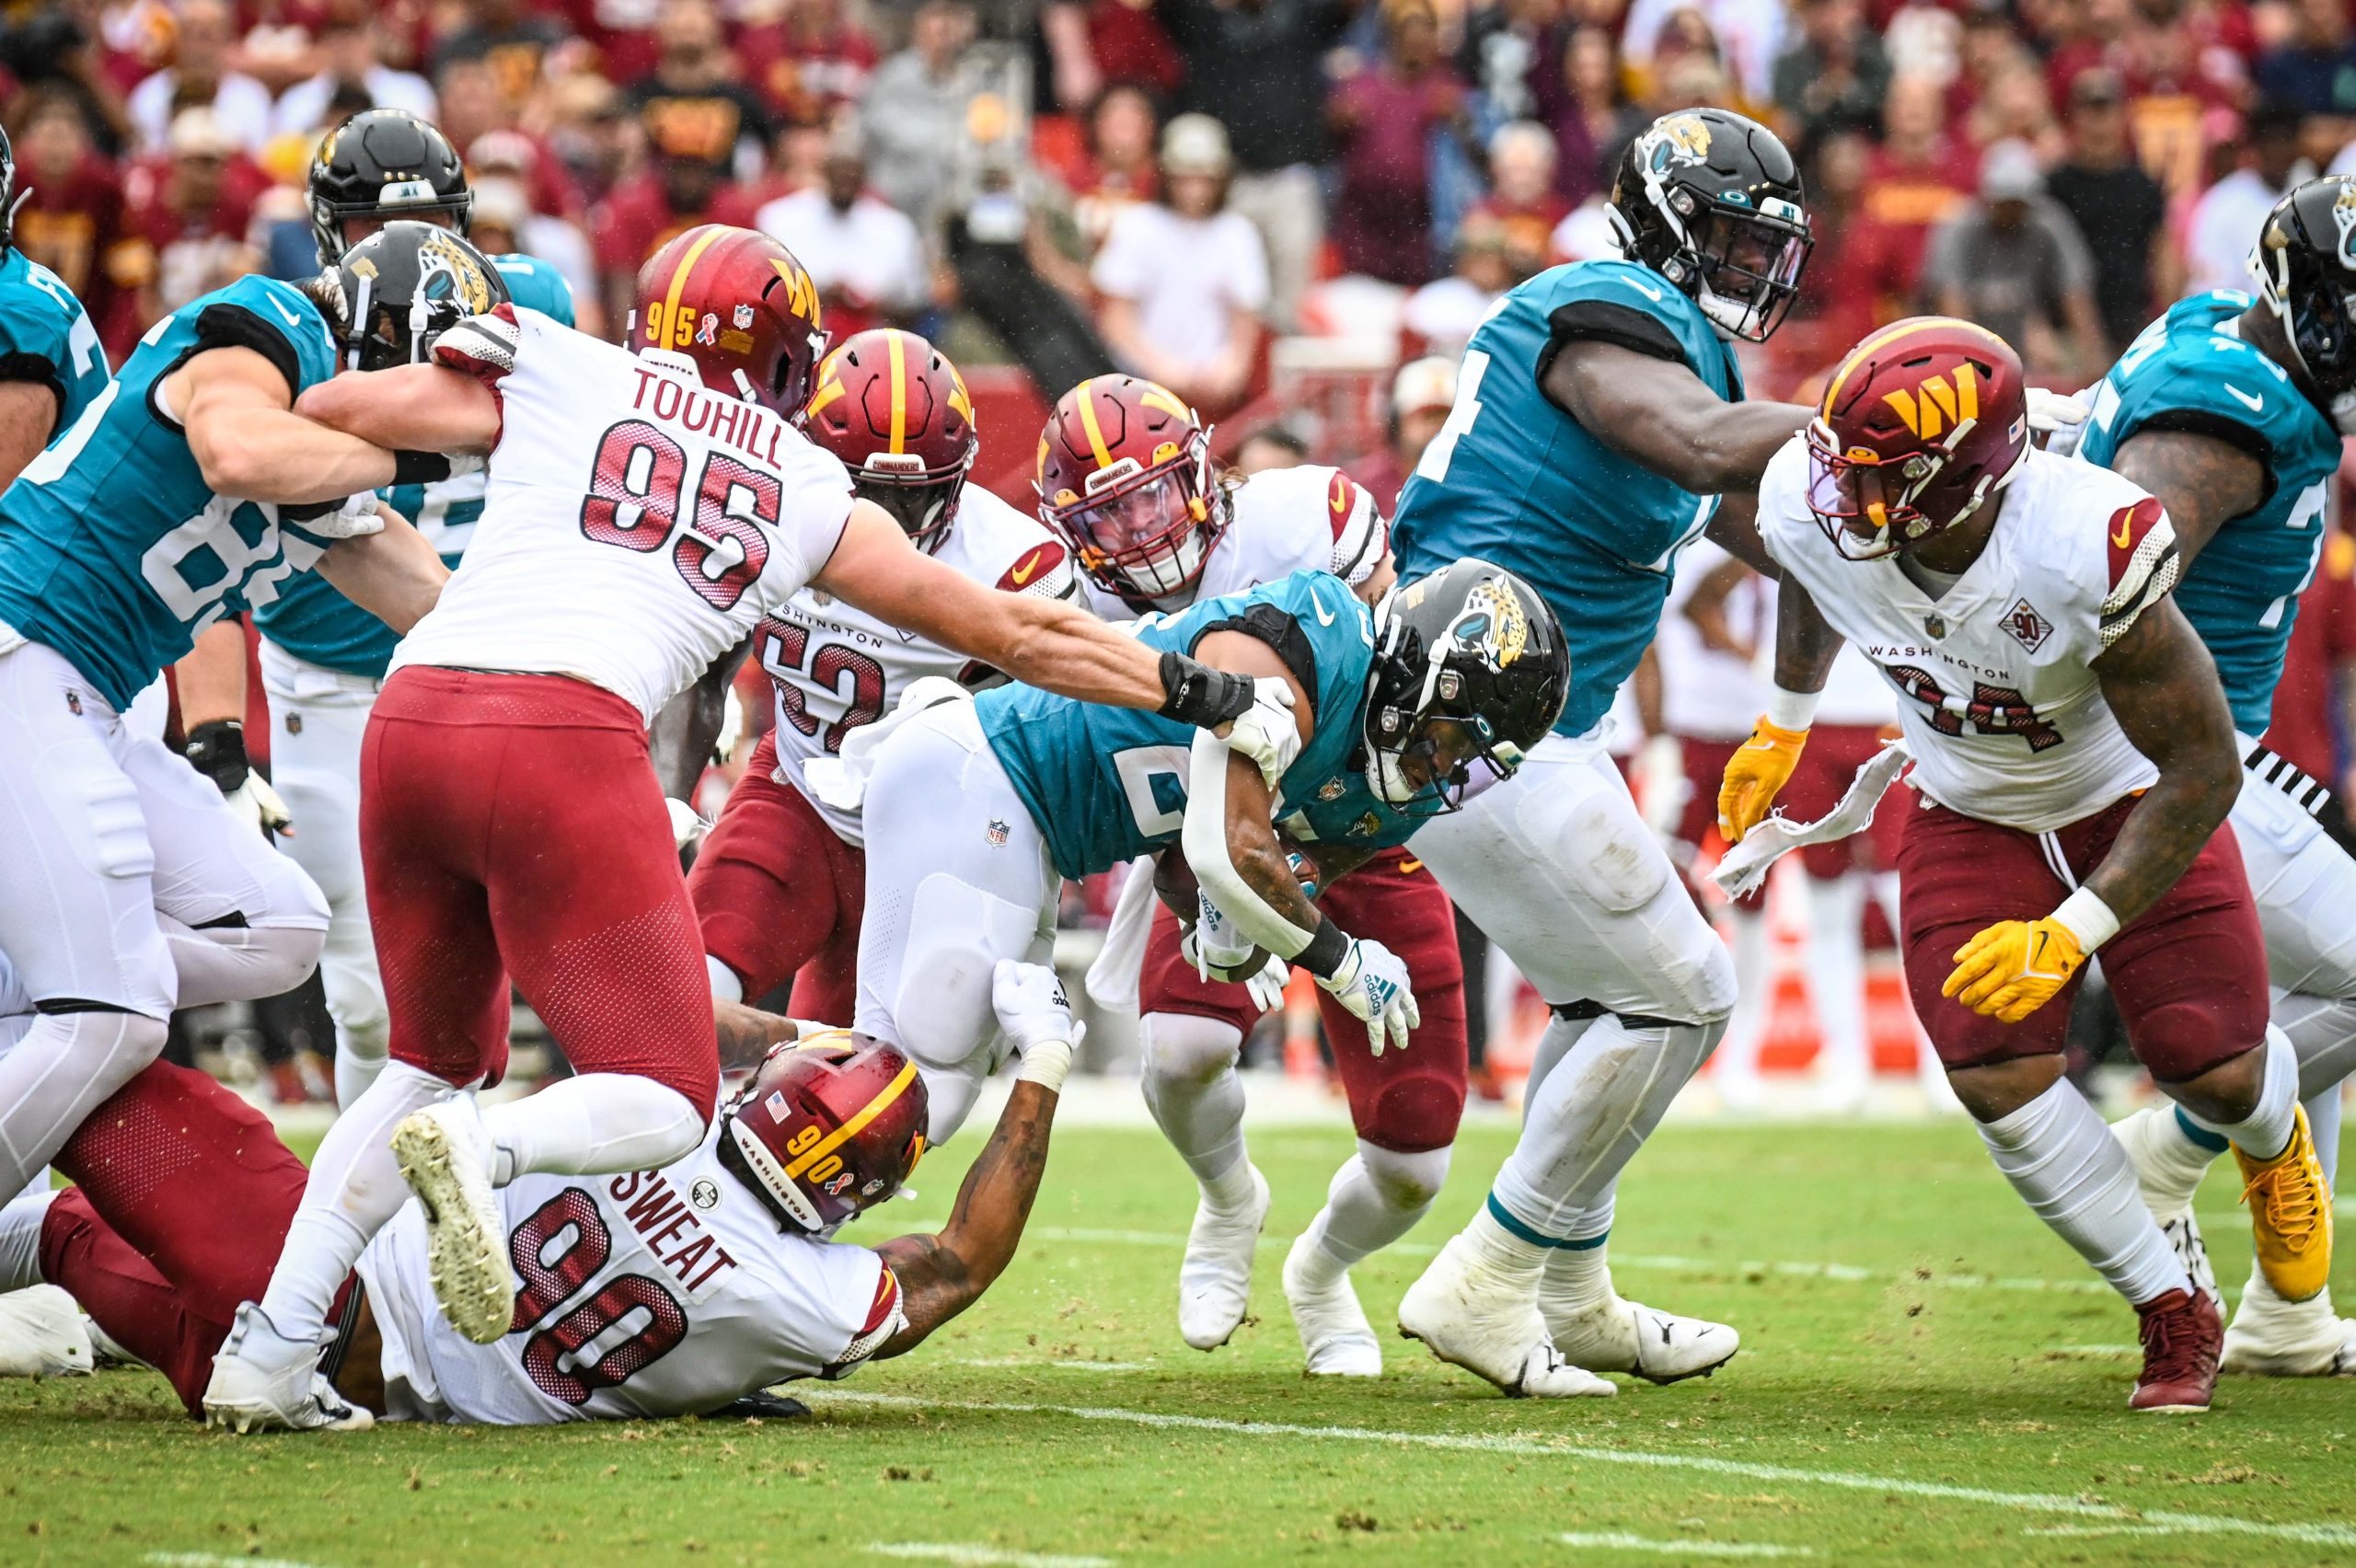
[(863, 253), (1184, 281), (353, 53), (200, 77), (2226, 218)]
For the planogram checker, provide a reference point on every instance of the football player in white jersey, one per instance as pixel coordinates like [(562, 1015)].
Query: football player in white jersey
[(2077, 760), (779, 884), (659, 1291), (648, 505), (1126, 479)]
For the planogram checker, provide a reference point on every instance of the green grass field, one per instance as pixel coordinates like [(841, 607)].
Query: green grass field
[(1926, 1376)]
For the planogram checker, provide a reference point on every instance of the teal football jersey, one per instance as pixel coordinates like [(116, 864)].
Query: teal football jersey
[(316, 624), (2190, 370), (114, 549), (46, 336), (1109, 784), (1513, 480)]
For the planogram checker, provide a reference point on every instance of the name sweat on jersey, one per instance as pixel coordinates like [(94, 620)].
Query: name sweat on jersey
[(636, 525), (46, 337), (114, 549), (310, 619), (1108, 784), (1997, 693), (836, 668), (645, 1295), (2190, 370), (1512, 479)]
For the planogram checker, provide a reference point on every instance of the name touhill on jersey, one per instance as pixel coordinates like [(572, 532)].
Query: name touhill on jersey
[(46, 337), (114, 549), (1513, 480), (1279, 522), (836, 668), (637, 525), (2192, 370), (320, 626), (1108, 784), (1996, 691), (650, 1294)]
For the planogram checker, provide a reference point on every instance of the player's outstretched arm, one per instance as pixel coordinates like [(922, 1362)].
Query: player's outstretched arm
[(394, 573), (2163, 685), (1230, 836), (411, 407), (1658, 413), (248, 442), (2203, 481), (1805, 645)]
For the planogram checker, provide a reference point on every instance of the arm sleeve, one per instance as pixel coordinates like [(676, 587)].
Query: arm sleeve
[(223, 325)]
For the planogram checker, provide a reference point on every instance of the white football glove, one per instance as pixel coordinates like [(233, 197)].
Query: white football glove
[(358, 515), (688, 825), (255, 801), (1035, 1016), (1372, 983), (1661, 784), (1266, 731), (1213, 945), (1266, 984), (2058, 417)]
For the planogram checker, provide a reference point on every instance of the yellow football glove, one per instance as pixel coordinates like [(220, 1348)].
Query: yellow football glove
[(2013, 968), (1757, 772)]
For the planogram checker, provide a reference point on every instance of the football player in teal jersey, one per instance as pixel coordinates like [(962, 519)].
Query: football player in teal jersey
[(51, 363), (1598, 427), (2232, 411), (975, 812), (186, 490), (323, 657)]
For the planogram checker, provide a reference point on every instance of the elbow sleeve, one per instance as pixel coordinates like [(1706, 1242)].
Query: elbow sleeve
[(1203, 837)]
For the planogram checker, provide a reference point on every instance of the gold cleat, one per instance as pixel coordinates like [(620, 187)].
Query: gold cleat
[(2289, 1212)]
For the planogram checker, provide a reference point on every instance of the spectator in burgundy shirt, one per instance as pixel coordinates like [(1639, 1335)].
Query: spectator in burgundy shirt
[(184, 226), (689, 104), (1383, 118), (645, 212), (1522, 201), (71, 220), (1595, 117), (1919, 176), (808, 63), (504, 37)]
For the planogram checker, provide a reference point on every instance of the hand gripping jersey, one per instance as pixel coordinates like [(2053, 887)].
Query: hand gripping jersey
[(2190, 370), (1280, 521), (636, 525), (837, 668), (1512, 479), (1995, 688), (114, 549), (650, 1294), (1108, 784), (320, 626), (46, 337)]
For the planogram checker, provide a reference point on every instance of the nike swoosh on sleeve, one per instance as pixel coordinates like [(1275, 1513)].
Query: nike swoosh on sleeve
[(1324, 615), (1651, 294), (283, 314), (2251, 401)]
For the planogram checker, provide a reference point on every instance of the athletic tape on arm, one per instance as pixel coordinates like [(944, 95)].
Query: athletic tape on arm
[(1204, 840)]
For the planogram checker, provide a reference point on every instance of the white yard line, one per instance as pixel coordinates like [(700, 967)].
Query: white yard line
[(969, 1555), (1620, 1540), (1485, 1443), (1034, 1364), (215, 1559)]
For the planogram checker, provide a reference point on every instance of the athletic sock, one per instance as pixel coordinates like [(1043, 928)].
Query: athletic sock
[(354, 1073), (2322, 1030), (2178, 1153), (1376, 1197), (1196, 1097), (2265, 1132), (1578, 1274), (2323, 1126), (2062, 1160), (1836, 974), (592, 1124), (1594, 1110), (1510, 1247), (355, 1187)]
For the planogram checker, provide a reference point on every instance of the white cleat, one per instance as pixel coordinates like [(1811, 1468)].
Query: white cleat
[(1336, 1338), (1620, 1335), (43, 1334), (446, 1157), (2274, 1338), (262, 1381), (1472, 1315), (1215, 1279)]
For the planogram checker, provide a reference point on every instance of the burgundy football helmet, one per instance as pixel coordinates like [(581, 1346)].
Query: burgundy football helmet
[(825, 1128), (1920, 425), (736, 305), (894, 408), (1125, 478)]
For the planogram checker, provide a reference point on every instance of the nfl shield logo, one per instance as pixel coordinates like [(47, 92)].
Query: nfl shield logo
[(744, 318), (294, 723), (74, 703), (996, 833), (1935, 625)]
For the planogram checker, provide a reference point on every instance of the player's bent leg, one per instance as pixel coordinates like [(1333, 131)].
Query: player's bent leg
[(1376, 1197), (41, 1331), (765, 887), (1196, 1099)]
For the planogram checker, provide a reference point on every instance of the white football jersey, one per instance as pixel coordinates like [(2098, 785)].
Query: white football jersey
[(635, 525), (1994, 680), (1281, 520), (836, 668), (1708, 693), (650, 1294)]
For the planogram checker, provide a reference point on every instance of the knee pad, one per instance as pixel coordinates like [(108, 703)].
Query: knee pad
[(1405, 1180), (1415, 1115), (1187, 1048)]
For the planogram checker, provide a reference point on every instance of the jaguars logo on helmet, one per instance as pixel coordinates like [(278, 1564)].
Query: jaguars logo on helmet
[(399, 289), (2305, 266), (1712, 202)]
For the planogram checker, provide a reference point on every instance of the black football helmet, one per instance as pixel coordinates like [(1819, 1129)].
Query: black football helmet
[(403, 286), (2305, 262), (1712, 202), (385, 163), (1471, 645)]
